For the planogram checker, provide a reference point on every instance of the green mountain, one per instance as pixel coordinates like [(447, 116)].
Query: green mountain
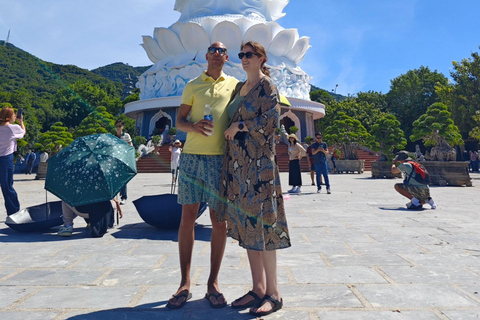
[(120, 72), (22, 71), (336, 96)]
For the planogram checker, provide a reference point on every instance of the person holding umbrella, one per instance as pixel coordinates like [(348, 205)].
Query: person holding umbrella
[(9, 133), (87, 174), (199, 175), (99, 217)]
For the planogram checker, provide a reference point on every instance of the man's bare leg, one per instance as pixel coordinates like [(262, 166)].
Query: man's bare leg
[(217, 247), (186, 238)]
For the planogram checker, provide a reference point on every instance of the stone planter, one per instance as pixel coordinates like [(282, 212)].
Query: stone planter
[(348, 166), (383, 170), (42, 170), (452, 173)]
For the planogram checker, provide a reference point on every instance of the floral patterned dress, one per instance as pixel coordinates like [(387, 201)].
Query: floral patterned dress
[(252, 201)]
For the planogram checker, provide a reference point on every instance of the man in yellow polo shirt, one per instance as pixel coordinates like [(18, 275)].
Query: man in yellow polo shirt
[(200, 169)]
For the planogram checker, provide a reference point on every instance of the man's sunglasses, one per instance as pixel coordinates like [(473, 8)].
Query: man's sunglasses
[(221, 51), (248, 55)]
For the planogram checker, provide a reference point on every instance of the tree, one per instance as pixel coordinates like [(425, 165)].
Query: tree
[(377, 99), (463, 95), (54, 139), (98, 121), (347, 134), (475, 132), (388, 136), (363, 111), (412, 93), (81, 98), (321, 96), (436, 127)]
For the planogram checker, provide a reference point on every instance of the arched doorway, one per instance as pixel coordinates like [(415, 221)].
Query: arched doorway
[(159, 123), (289, 119), (287, 123)]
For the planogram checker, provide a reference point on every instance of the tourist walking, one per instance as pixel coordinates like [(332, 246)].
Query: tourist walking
[(175, 152), (9, 133), (320, 152), (413, 186), (199, 176), (311, 161), (254, 208), (295, 153), (31, 157), (119, 126)]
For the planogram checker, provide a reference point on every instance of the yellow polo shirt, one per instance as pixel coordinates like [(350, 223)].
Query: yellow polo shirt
[(199, 92)]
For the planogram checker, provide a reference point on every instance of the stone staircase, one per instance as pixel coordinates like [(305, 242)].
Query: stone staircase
[(159, 160)]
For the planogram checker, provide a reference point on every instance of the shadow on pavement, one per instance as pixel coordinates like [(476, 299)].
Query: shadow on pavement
[(192, 310), (145, 231)]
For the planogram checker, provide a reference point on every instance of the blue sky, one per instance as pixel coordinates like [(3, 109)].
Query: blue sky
[(358, 44)]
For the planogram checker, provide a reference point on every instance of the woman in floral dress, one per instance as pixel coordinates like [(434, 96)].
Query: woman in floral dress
[(250, 186)]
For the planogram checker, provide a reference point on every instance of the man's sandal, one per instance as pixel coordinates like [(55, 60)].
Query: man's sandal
[(183, 294), (252, 303), (276, 305), (216, 296)]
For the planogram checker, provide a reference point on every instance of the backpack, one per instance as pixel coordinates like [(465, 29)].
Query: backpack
[(421, 174)]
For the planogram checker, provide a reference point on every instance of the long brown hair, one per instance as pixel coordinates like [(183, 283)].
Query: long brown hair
[(260, 50), (6, 114)]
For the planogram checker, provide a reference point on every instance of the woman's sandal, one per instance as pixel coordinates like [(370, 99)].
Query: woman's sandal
[(252, 303), (276, 305)]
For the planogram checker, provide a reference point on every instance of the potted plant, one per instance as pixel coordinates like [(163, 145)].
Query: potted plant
[(156, 140), (52, 141), (293, 129), (172, 132), (348, 134), (389, 138), (437, 130)]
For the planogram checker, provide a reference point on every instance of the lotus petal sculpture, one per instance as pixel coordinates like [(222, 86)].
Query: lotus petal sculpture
[(178, 52)]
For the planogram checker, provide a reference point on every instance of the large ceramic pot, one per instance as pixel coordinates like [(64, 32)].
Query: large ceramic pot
[(350, 166), (42, 170), (452, 173), (383, 170)]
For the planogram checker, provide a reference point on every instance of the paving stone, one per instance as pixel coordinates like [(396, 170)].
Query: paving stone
[(367, 260), (358, 274), (10, 294), (53, 277), (315, 296), (462, 315), (377, 315), (81, 298), (24, 315), (430, 275), (415, 296)]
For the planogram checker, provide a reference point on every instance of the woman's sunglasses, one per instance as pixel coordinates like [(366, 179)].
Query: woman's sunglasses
[(221, 51), (248, 55)]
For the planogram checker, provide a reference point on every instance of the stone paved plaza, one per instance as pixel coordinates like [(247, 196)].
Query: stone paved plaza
[(356, 254)]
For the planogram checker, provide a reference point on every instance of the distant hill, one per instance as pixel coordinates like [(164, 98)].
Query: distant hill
[(20, 70), (335, 96), (120, 72)]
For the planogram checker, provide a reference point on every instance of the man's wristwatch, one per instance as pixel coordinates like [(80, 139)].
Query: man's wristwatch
[(241, 126)]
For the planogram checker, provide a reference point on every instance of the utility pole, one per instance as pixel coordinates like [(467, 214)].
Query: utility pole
[(8, 38)]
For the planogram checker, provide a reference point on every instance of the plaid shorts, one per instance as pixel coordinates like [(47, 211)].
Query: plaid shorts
[(421, 193), (199, 179)]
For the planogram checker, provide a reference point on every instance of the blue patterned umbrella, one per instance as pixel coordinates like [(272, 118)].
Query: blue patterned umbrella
[(91, 169)]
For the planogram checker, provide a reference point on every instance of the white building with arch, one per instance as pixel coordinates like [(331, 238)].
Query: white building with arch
[(178, 53)]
